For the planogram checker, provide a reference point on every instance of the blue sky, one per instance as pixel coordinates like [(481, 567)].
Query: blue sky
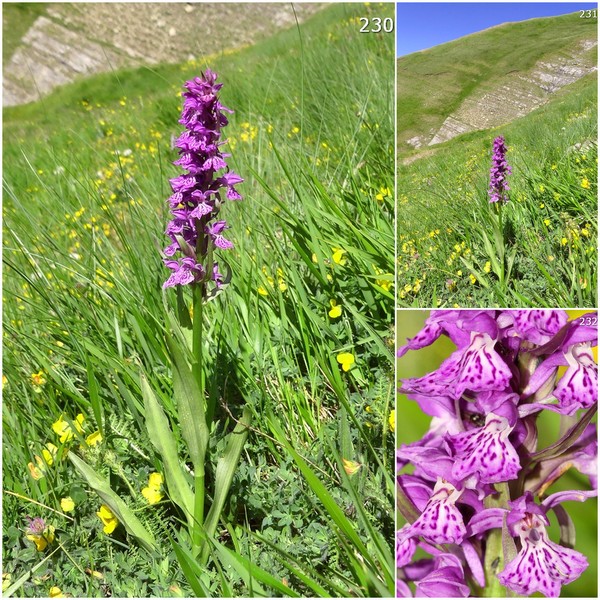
[(421, 25)]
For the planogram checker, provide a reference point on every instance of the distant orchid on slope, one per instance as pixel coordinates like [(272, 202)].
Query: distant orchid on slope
[(469, 501), (499, 172)]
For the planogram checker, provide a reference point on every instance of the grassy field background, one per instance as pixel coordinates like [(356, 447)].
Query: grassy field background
[(85, 186)]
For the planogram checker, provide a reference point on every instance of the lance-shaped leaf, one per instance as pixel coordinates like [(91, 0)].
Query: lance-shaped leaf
[(568, 439), (123, 513), (226, 467), (163, 440), (190, 407)]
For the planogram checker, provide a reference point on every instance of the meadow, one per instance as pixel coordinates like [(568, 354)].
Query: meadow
[(297, 350), (539, 248)]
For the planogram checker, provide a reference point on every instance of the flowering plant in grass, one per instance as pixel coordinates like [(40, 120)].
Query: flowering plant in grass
[(196, 231), (493, 231), (477, 499)]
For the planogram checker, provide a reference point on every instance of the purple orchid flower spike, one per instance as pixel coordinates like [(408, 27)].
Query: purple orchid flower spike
[(196, 199), (499, 172), (474, 473)]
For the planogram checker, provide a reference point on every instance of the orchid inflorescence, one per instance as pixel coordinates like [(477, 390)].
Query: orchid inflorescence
[(475, 500), (499, 172), (196, 199)]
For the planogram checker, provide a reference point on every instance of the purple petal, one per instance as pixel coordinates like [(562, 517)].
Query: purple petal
[(486, 452), (441, 522), (578, 387)]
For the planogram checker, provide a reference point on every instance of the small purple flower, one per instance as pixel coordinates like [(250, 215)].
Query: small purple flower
[(196, 199), (185, 271), (486, 452), (36, 526), (541, 565), (440, 522), (499, 172)]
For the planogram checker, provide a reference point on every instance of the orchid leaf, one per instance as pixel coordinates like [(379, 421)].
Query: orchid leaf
[(567, 440), (226, 468), (163, 440), (123, 513)]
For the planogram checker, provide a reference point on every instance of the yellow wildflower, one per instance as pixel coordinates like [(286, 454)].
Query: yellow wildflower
[(38, 379), (585, 184), (338, 256), (55, 592), (4, 381), (34, 471), (261, 290), (392, 420), (384, 193), (346, 360), (488, 267), (152, 492), (473, 279), (351, 467), (67, 504), (93, 438), (336, 309), (108, 519), (49, 452), (63, 429)]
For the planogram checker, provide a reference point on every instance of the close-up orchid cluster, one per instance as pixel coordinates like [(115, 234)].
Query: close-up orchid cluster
[(475, 489)]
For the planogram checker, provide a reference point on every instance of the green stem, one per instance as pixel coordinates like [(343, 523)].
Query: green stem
[(198, 374), (494, 555), (198, 511), (500, 242), (197, 342)]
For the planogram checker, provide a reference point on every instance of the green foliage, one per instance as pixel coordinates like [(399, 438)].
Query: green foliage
[(86, 179)]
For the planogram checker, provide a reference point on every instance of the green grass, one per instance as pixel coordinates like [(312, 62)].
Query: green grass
[(17, 18), (85, 185)]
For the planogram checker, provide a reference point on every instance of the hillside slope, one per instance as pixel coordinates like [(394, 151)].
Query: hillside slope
[(67, 41), (490, 78)]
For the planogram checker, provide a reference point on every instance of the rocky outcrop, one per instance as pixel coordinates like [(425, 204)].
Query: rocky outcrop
[(75, 40), (517, 94)]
